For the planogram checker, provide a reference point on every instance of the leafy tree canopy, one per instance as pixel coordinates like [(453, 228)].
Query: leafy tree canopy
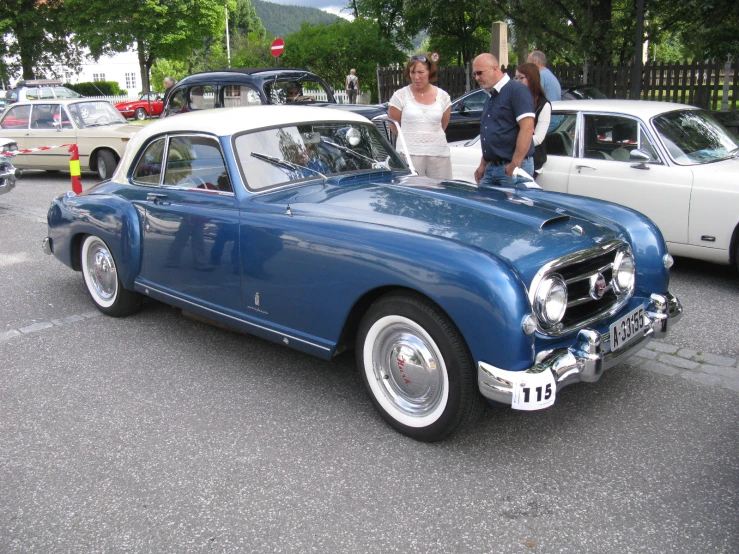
[(159, 28), (332, 50), (36, 36)]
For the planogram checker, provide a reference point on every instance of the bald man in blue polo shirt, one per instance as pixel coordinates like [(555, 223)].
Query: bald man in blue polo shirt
[(506, 127)]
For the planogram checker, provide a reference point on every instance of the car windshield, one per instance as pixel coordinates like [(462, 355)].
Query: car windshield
[(94, 114), (64, 92), (286, 90), (694, 137), (283, 155)]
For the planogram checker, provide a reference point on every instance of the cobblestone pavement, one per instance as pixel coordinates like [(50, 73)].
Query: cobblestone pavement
[(694, 365), (657, 356)]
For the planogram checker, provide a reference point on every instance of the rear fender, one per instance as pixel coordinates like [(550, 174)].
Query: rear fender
[(114, 220)]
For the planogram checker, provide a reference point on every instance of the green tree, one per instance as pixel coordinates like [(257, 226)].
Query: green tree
[(459, 29), (159, 28), (332, 50), (37, 34)]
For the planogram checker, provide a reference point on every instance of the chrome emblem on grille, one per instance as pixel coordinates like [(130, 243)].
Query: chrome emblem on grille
[(598, 286)]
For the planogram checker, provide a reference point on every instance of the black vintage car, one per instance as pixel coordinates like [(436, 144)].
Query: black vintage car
[(257, 86)]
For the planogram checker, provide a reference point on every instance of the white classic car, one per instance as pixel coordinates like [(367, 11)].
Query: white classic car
[(674, 163), (98, 129)]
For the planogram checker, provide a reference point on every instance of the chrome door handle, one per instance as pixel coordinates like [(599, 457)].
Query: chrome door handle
[(581, 167), (154, 197)]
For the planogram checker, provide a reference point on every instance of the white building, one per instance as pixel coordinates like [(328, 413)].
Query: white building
[(122, 68)]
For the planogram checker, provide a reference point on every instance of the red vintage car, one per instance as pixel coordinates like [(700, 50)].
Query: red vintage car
[(142, 108)]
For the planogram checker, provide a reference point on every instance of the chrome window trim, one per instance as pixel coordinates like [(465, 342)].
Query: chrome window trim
[(165, 152)]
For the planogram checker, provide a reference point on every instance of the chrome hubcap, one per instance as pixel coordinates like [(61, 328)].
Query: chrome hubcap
[(408, 370), (102, 272)]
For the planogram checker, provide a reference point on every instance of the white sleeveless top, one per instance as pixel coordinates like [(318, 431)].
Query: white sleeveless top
[(421, 123)]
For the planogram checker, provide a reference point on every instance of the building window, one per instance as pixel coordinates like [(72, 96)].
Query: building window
[(130, 80), (98, 76)]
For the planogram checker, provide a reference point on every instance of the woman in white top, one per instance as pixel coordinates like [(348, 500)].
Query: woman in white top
[(528, 74), (423, 111)]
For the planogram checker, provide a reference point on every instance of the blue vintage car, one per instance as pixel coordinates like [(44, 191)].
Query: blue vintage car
[(302, 225)]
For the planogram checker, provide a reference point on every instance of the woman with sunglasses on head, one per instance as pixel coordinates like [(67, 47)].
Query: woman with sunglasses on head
[(528, 74), (423, 111)]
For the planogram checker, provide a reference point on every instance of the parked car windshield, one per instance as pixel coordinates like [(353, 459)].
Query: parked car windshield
[(286, 90), (694, 137), (94, 114), (297, 152)]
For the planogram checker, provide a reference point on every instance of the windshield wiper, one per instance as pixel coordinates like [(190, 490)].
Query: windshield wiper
[(280, 162), (375, 163)]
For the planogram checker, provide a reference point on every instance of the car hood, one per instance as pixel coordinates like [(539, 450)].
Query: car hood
[(117, 130), (367, 110), (527, 228)]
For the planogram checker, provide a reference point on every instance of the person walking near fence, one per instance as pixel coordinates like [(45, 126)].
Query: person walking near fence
[(424, 111), (528, 74), (506, 126), (352, 86), (169, 82)]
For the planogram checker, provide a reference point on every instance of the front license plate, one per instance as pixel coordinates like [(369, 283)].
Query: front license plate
[(534, 391), (627, 328)]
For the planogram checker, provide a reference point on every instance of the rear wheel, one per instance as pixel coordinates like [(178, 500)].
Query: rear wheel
[(140, 114), (102, 280), (106, 164), (416, 368)]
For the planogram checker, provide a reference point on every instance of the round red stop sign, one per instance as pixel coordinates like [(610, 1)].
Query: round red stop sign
[(278, 45)]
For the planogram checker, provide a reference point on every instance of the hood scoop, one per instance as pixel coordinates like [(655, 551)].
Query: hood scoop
[(554, 221)]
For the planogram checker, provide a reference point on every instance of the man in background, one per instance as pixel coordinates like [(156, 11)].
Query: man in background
[(168, 84), (552, 88), (506, 126)]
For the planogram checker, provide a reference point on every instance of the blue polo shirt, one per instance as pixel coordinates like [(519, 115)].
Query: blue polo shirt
[(500, 116)]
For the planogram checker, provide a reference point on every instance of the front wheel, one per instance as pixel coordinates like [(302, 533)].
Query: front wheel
[(102, 280), (417, 368), (140, 114), (106, 164)]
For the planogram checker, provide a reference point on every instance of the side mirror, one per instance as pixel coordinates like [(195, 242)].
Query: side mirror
[(462, 109), (640, 157)]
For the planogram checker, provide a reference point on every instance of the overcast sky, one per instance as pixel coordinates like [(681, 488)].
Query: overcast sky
[(332, 6)]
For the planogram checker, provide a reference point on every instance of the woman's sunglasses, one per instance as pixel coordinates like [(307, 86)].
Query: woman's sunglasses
[(419, 59)]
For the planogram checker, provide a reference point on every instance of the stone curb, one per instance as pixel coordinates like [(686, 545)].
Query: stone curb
[(694, 365)]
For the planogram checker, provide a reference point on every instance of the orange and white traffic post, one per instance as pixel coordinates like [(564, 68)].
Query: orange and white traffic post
[(74, 168)]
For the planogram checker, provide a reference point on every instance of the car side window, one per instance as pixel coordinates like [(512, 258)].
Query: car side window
[(475, 101), (149, 168), (202, 97), (560, 140), (42, 116), (16, 117), (609, 137), (240, 95), (177, 102), (45, 93), (196, 162)]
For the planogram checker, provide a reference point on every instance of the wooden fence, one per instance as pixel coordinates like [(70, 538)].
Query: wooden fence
[(709, 85)]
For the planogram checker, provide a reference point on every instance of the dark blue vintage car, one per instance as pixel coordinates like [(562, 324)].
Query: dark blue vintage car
[(305, 227)]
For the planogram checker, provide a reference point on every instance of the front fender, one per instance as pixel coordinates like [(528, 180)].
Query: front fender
[(642, 234), (109, 217)]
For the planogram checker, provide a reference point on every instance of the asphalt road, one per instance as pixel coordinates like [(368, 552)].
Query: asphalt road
[(155, 433)]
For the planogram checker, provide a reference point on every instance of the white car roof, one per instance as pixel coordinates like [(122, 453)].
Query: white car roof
[(644, 109), (228, 121)]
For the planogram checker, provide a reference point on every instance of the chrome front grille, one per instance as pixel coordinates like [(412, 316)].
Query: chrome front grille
[(579, 270), (383, 125)]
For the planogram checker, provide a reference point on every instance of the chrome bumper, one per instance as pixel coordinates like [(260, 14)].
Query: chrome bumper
[(587, 358), (8, 176)]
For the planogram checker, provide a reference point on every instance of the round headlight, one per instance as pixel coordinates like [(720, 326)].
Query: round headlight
[(624, 271), (551, 300)]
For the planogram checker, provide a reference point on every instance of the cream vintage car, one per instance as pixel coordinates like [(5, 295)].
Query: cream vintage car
[(674, 163), (96, 126)]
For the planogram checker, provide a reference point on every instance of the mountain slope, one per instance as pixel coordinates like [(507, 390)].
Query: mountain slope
[(281, 20)]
